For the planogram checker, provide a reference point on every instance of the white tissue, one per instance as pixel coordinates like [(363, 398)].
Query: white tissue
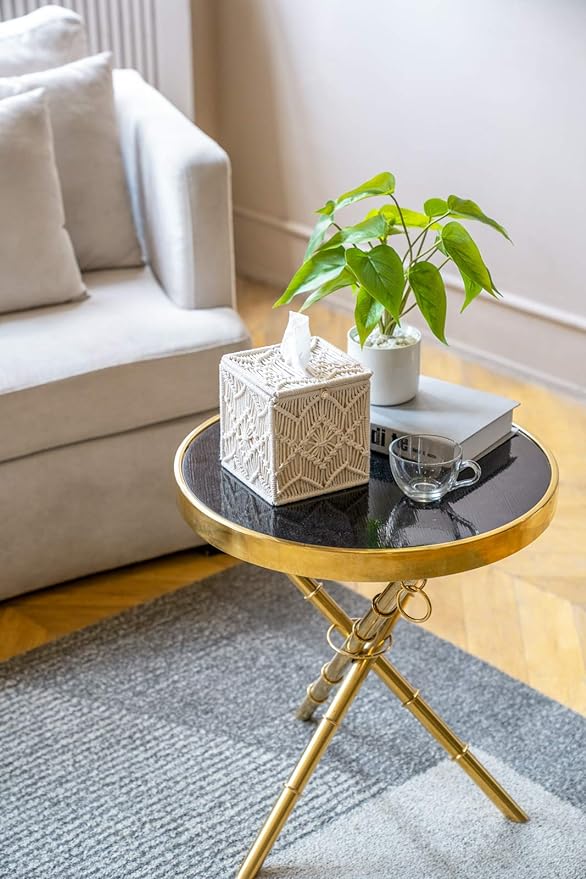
[(296, 342)]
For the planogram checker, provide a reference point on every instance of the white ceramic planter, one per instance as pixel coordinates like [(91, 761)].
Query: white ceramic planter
[(395, 370)]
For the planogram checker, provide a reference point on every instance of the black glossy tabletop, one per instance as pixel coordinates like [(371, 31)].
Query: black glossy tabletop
[(515, 477)]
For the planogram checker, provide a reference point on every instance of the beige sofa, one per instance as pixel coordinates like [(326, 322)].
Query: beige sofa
[(96, 395)]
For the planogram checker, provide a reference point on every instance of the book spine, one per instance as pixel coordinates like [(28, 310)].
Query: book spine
[(382, 437)]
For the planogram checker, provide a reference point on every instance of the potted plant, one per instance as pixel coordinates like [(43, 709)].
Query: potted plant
[(387, 283)]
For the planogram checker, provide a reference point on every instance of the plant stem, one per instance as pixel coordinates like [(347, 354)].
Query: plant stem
[(387, 324), (411, 307), (404, 301), (430, 224), (409, 245), (428, 253), (389, 328), (423, 237), (422, 242), (442, 264)]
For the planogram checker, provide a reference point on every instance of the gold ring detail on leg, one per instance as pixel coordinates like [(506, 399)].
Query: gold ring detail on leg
[(362, 654), (403, 595), (414, 586), (328, 680), (316, 589), (462, 753), (411, 699), (312, 697), (381, 613), (354, 631)]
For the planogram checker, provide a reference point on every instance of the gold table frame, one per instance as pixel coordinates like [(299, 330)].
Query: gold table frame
[(365, 640)]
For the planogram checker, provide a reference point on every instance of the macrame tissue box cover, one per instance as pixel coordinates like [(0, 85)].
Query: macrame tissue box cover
[(289, 435)]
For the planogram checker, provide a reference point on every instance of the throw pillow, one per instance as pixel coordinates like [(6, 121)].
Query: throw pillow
[(80, 96), (47, 37), (37, 263)]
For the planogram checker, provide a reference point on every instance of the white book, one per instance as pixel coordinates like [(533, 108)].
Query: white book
[(475, 419)]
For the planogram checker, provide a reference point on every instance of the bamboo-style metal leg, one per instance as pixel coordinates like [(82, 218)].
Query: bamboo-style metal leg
[(311, 757), (413, 702), (363, 630)]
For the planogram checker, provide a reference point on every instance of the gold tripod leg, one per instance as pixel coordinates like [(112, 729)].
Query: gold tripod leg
[(410, 699), (363, 630), (306, 766)]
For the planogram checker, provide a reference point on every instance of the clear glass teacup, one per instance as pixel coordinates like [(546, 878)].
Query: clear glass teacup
[(426, 467)]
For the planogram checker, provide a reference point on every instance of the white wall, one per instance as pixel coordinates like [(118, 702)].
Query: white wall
[(484, 99), (153, 36), (205, 60)]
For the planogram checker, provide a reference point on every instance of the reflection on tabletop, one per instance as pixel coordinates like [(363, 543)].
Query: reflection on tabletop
[(376, 515)]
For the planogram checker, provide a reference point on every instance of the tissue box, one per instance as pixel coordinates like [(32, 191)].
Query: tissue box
[(290, 435)]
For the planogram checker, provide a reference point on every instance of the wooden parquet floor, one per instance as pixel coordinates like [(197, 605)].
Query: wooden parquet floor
[(526, 615)]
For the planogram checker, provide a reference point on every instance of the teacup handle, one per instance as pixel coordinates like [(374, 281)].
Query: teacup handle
[(460, 483)]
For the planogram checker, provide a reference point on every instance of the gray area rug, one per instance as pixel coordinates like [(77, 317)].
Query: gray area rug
[(153, 745)]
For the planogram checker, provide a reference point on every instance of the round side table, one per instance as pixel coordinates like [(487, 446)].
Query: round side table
[(369, 533)]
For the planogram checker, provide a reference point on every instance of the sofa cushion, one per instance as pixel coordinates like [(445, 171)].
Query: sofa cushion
[(36, 255), (121, 359), (47, 37), (98, 215)]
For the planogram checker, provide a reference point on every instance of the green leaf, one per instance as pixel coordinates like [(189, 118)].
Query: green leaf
[(344, 279), (459, 245), (440, 246), (382, 184), (373, 226), (472, 290), (430, 294), (367, 314), (390, 228), (380, 272), (435, 207), (315, 271), (334, 241), (318, 234), (463, 207), (370, 227), (328, 209), (411, 218)]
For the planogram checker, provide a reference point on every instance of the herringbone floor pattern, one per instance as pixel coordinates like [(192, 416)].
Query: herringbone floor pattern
[(526, 615)]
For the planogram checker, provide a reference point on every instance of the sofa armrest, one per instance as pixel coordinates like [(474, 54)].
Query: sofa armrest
[(179, 182)]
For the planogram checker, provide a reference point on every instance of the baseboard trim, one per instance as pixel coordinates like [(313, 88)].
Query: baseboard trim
[(557, 335), (298, 230), (472, 352)]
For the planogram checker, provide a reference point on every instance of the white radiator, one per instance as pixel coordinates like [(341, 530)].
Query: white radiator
[(153, 36)]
